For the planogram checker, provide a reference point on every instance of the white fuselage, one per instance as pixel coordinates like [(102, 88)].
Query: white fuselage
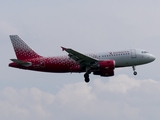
[(124, 58)]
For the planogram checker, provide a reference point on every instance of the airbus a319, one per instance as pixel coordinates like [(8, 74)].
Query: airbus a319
[(102, 64)]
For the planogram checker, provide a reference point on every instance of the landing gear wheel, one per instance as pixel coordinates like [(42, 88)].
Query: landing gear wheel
[(87, 80), (134, 69), (86, 76), (135, 73)]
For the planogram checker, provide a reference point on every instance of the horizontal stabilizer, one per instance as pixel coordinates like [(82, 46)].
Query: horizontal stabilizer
[(20, 62)]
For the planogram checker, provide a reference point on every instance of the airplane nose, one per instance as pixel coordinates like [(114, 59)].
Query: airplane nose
[(152, 57)]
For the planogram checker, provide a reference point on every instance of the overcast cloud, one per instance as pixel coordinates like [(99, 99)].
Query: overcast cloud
[(86, 26), (120, 97)]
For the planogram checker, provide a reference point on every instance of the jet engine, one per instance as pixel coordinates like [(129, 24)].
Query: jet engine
[(105, 68)]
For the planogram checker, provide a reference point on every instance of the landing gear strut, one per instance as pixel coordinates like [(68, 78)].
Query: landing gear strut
[(86, 76), (134, 70)]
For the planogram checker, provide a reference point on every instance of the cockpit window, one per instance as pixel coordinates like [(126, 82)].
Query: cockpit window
[(144, 52)]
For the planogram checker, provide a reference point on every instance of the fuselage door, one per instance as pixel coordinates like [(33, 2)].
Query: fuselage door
[(133, 53)]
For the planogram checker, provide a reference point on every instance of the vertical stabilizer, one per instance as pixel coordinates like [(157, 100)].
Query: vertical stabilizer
[(22, 50)]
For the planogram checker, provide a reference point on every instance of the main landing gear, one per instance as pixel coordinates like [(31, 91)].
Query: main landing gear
[(86, 76), (134, 70)]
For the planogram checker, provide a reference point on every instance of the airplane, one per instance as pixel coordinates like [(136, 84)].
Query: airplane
[(102, 64)]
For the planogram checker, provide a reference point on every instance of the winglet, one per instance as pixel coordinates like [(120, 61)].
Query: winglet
[(63, 48)]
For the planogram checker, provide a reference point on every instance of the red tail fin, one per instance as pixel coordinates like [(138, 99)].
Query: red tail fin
[(22, 50)]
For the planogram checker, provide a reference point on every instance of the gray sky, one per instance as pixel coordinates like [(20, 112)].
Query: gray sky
[(86, 26)]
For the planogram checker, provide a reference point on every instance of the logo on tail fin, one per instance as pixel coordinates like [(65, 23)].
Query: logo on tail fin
[(22, 50)]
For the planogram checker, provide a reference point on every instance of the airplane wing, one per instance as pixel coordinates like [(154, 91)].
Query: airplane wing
[(20, 62), (82, 59)]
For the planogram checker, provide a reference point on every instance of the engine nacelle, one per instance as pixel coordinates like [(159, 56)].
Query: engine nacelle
[(105, 68), (107, 65), (104, 73)]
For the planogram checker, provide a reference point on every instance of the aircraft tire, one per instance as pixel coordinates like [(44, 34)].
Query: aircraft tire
[(86, 76), (135, 73), (87, 80)]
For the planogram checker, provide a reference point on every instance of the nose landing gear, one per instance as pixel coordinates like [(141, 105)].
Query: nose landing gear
[(134, 70)]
